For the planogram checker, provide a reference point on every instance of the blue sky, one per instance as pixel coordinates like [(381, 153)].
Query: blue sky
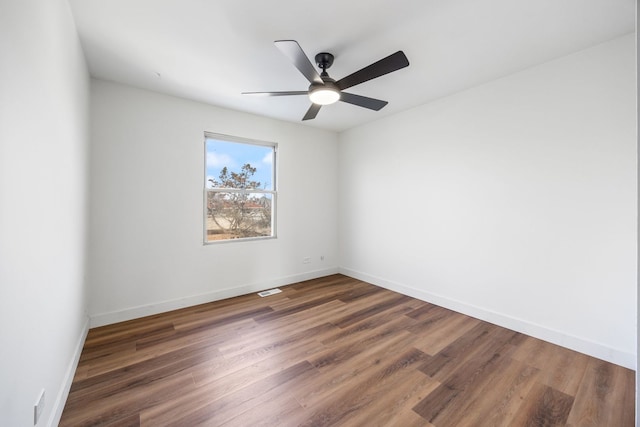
[(233, 155)]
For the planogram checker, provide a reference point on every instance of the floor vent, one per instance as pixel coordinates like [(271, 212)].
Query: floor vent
[(269, 292)]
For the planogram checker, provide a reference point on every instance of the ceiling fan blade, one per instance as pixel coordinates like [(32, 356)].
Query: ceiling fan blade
[(386, 65), (312, 112), (294, 52), (363, 101), (295, 92)]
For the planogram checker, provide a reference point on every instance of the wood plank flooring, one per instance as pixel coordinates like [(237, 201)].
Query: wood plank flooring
[(337, 351)]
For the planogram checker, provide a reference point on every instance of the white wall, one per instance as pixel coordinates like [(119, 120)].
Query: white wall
[(147, 171), (638, 228), (514, 202), (44, 93)]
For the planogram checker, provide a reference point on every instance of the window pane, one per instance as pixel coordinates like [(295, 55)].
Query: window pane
[(235, 215), (237, 165)]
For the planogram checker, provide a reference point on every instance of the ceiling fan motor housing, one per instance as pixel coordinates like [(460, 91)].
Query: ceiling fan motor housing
[(327, 92)]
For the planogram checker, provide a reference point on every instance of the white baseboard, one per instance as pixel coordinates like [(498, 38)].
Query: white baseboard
[(164, 306), (578, 344), (61, 399)]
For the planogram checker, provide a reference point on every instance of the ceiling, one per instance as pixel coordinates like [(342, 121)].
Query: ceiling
[(212, 50)]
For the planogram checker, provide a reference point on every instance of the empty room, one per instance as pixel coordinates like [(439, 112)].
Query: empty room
[(295, 213)]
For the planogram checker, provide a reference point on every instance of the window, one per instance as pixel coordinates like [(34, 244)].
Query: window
[(240, 188)]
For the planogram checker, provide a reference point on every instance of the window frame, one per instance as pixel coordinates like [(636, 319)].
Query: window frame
[(273, 192)]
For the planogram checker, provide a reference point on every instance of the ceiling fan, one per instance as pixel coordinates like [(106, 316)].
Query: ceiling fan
[(323, 89)]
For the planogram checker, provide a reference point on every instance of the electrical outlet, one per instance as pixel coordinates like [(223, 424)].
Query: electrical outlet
[(306, 260), (38, 408)]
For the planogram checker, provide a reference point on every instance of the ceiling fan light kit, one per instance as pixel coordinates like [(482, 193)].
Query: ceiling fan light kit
[(323, 89), (323, 95)]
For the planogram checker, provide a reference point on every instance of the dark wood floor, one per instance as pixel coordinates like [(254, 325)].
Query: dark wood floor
[(337, 351)]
